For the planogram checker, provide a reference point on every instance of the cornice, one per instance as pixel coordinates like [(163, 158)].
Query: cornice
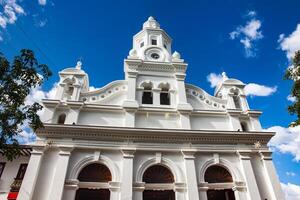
[(153, 135)]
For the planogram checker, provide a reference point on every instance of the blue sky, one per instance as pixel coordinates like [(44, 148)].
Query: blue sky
[(100, 32)]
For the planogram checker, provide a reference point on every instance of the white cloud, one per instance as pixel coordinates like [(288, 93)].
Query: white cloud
[(253, 89), (290, 44), (92, 88), (291, 98), (291, 191), (248, 34), (42, 2), (290, 174), (214, 79), (9, 14), (286, 140), (36, 95)]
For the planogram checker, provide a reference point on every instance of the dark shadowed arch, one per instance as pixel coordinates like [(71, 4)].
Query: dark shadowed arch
[(158, 174), (98, 173)]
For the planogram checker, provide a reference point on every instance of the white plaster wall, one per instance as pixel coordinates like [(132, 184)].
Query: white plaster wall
[(210, 123), (157, 120), (101, 118), (9, 173)]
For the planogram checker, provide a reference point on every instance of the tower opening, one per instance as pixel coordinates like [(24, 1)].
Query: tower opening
[(147, 97), (61, 118)]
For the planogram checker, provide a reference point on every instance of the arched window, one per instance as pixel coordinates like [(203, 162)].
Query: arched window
[(69, 88), (158, 177), (147, 97), (61, 118), (164, 94), (236, 98), (244, 126), (217, 175), (94, 176)]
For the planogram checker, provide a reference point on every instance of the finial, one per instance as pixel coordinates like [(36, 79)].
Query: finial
[(151, 23), (225, 77), (150, 18), (176, 55), (78, 65)]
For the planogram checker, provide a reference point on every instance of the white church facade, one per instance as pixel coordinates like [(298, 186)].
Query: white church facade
[(149, 136)]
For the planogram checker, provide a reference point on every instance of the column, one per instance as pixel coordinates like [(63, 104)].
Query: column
[(58, 180), (190, 173), (70, 189), (114, 188), (130, 117), (203, 192), (29, 181), (138, 191), (181, 88), (253, 191), (271, 175), (156, 96), (127, 174)]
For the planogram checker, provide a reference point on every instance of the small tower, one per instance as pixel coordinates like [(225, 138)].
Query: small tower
[(233, 91), (72, 82), (155, 76)]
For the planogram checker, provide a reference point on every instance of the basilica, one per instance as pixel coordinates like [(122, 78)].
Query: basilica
[(149, 136)]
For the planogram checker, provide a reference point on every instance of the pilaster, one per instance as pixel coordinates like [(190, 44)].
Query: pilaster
[(253, 192), (58, 180), (271, 175), (190, 172), (29, 181), (127, 173)]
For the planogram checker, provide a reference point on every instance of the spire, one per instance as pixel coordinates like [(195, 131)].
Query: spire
[(151, 23)]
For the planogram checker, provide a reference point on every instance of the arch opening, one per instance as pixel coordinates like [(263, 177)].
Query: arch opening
[(220, 183), (158, 176), (61, 118), (147, 97), (96, 176), (165, 94)]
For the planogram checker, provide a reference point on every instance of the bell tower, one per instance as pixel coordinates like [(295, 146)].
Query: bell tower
[(155, 76)]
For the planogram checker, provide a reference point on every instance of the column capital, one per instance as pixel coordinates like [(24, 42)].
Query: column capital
[(72, 184), (265, 155), (65, 150), (38, 150), (114, 186), (128, 152), (188, 153), (179, 187), (244, 154)]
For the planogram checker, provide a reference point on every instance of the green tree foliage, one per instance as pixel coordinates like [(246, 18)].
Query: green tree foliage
[(16, 80), (293, 74)]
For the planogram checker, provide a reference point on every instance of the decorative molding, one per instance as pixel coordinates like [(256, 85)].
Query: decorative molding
[(152, 135), (234, 171)]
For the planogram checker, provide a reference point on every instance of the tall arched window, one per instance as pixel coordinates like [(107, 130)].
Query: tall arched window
[(244, 126), (95, 176), (147, 97), (164, 94), (220, 183), (159, 183), (236, 98), (61, 118)]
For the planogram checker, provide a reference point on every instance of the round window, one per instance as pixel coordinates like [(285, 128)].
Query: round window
[(155, 56)]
